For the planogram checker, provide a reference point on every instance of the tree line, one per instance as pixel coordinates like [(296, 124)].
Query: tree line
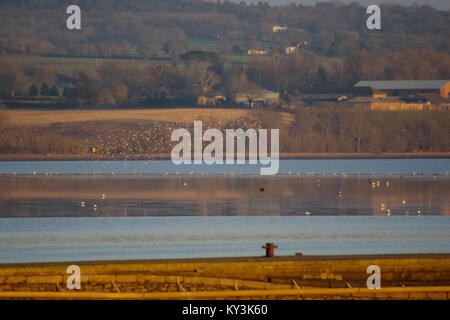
[(115, 83), (337, 130)]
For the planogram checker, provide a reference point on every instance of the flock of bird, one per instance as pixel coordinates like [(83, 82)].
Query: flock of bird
[(374, 184), (150, 137)]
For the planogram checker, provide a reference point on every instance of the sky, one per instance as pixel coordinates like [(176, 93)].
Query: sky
[(440, 4)]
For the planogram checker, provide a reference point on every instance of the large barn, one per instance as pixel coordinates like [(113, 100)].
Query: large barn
[(408, 87), (418, 95)]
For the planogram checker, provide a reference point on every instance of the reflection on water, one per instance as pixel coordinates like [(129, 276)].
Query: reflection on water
[(75, 196)]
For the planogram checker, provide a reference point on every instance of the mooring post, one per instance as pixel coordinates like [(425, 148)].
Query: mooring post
[(270, 249)]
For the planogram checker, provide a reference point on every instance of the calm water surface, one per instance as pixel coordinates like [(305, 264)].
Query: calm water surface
[(130, 195), (115, 210), (309, 166), (75, 239)]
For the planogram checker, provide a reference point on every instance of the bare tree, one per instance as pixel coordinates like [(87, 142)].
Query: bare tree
[(9, 77), (2, 115), (2, 123), (156, 82), (205, 79)]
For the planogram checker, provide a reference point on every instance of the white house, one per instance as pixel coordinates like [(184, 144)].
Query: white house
[(277, 28), (256, 52), (291, 49)]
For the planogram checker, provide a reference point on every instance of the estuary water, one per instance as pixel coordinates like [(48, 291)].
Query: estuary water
[(129, 238), (121, 210), (304, 167)]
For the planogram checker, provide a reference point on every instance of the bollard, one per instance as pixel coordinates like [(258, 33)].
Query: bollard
[(270, 249)]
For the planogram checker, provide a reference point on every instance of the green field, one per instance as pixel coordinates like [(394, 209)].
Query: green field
[(67, 65), (62, 66), (203, 44)]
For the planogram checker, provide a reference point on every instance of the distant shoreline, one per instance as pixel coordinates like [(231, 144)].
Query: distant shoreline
[(283, 156)]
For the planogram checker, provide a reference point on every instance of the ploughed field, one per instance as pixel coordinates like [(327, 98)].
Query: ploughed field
[(112, 133)]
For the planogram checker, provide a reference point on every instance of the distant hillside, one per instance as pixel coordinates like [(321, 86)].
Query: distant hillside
[(153, 27), (134, 52), (438, 4)]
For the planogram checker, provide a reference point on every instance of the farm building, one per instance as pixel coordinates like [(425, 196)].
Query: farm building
[(257, 97), (437, 101), (290, 49), (333, 93), (418, 103), (386, 104), (411, 95), (408, 87), (256, 52), (278, 28)]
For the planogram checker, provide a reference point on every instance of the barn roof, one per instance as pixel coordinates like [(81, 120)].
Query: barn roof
[(360, 90), (403, 84)]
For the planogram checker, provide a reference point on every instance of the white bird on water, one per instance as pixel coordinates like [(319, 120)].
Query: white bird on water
[(307, 213)]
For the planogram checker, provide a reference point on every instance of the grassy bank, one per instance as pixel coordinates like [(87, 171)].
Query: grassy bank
[(320, 277)]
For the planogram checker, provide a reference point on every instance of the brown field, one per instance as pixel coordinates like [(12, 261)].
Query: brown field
[(114, 133), (187, 115), (136, 133)]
